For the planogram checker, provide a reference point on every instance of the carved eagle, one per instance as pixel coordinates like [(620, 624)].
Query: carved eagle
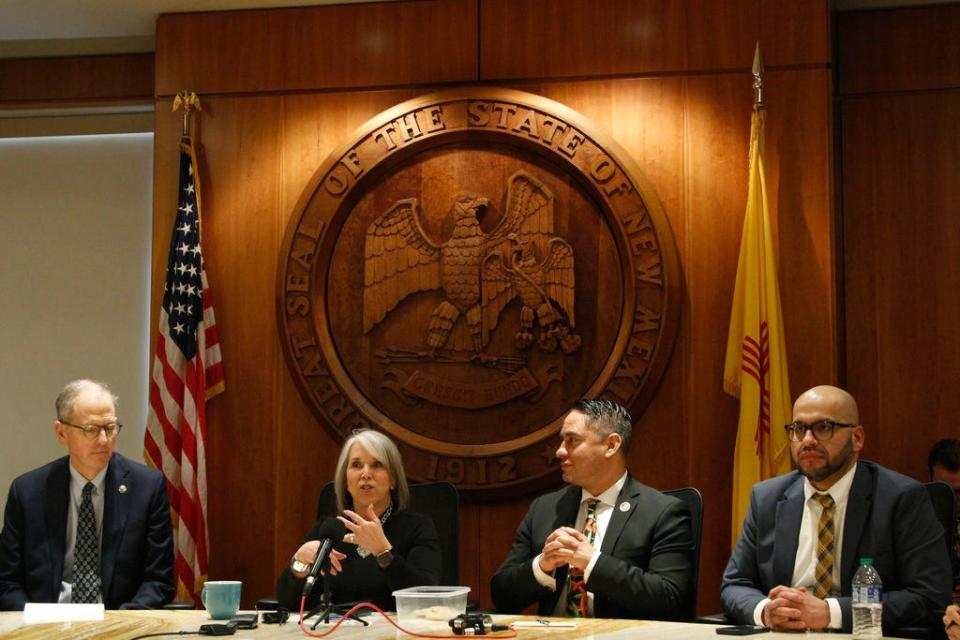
[(541, 285), (400, 259)]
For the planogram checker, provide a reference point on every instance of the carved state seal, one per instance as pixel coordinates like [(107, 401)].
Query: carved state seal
[(462, 269)]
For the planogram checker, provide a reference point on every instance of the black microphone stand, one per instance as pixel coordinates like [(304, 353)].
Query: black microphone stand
[(325, 607)]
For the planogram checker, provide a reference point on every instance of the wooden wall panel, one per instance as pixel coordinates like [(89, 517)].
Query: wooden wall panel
[(687, 132), (900, 76), (902, 263), (76, 79), (424, 41), (795, 33), (799, 175), (577, 38), (898, 50)]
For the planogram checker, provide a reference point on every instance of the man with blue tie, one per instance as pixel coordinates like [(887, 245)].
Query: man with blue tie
[(92, 526), (805, 532), (605, 546)]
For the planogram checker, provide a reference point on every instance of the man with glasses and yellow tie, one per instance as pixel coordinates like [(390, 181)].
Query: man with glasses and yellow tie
[(805, 532), (92, 526), (605, 546)]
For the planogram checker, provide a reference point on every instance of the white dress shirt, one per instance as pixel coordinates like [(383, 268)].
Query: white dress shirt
[(77, 483), (805, 564), (603, 513)]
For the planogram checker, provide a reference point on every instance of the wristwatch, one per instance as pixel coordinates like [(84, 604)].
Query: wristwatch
[(298, 567), (385, 559)]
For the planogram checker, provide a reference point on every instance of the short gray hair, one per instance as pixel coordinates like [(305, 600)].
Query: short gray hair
[(606, 417), (383, 449), (67, 400)]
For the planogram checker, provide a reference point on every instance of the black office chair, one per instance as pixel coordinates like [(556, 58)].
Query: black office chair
[(694, 501), (440, 501), (944, 502)]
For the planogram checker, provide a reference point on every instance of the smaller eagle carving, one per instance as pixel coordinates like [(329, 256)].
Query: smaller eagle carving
[(545, 288), (400, 259)]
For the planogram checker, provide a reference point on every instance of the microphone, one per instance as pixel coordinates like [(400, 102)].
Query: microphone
[(326, 545)]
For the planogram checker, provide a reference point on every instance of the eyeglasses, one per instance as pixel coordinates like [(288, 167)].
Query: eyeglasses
[(92, 431), (822, 430)]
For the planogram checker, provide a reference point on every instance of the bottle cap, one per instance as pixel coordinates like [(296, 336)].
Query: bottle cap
[(866, 560)]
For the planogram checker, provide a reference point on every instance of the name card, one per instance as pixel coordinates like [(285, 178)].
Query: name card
[(40, 612)]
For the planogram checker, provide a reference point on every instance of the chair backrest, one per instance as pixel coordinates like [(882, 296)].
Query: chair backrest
[(694, 501), (944, 505), (440, 501)]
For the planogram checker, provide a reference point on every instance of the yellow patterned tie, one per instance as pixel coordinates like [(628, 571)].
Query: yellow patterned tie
[(576, 590), (825, 544)]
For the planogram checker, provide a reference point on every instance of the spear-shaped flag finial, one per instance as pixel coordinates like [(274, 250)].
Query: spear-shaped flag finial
[(757, 78)]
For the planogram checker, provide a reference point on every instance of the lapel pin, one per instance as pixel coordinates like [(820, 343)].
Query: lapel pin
[(123, 488), (624, 506)]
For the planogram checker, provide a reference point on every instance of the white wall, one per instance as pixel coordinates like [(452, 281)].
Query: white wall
[(75, 242)]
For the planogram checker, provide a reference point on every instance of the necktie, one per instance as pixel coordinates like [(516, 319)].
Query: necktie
[(86, 557), (825, 540), (576, 590)]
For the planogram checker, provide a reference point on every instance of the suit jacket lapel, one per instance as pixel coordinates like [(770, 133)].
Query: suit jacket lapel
[(787, 532), (619, 517), (114, 519), (57, 500), (567, 508), (858, 507)]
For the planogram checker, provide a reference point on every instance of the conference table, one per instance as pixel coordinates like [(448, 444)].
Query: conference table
[(125, 625)]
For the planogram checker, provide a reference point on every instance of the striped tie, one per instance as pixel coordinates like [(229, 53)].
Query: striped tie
[(576, 590), (825, 541)]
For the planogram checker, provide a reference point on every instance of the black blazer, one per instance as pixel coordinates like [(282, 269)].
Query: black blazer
[(644, 570), (416, 562), (136, 561), (889, 518)]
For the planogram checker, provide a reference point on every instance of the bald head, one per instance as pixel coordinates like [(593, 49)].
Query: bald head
[(826, 402)]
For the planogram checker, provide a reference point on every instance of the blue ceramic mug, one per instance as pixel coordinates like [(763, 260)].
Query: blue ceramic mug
[(221, 598)]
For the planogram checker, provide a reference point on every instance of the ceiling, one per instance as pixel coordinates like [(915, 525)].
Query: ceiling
[(40, 28)]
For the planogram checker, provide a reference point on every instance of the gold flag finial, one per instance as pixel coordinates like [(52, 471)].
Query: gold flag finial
[(757, 78), (189, 101)]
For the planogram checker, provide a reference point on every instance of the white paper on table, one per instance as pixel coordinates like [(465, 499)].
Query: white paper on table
[(542, 624), (39, 612)]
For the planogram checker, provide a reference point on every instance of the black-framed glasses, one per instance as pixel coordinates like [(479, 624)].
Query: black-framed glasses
[(822, 430), (92, 431)]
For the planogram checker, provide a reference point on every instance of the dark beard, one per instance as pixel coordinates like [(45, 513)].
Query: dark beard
[(833, 465)]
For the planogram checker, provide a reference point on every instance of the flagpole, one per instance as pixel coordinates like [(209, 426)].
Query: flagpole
[(187, 371), (755, 367), (757, 79)]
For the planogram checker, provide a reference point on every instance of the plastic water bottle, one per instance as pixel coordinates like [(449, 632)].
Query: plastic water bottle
[(866, 600)]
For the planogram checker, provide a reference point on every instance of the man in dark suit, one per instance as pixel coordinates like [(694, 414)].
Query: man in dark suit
[(93, 526), (606, 546), (806, 531)]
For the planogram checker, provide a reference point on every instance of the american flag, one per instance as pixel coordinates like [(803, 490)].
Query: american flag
[(187, 371)]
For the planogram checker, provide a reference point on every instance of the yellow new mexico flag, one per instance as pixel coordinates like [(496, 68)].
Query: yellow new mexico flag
[(756, 366)]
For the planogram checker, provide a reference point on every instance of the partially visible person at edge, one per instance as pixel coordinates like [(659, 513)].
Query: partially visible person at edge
[(851, 508), (92, 526), (379, 545), (944, 465), (951, 622)]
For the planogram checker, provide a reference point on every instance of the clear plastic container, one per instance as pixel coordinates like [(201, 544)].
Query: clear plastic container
[(433, 607)]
